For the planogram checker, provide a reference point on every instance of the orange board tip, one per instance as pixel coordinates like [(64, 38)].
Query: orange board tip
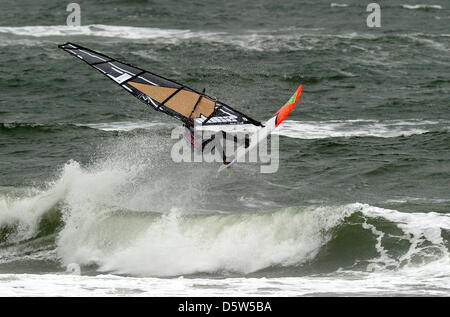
[(284, 112)]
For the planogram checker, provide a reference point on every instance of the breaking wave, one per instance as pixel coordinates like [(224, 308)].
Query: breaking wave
[(121, 218)]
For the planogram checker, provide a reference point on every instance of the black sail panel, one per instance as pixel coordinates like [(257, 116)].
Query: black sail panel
[(162, 94)]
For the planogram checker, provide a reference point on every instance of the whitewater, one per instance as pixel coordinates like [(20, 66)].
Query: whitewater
[(117, 216)]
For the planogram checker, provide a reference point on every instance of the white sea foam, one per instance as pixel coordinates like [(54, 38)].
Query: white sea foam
[(309, 129), (101, 227), (100, 30), (418, 228), (291, 39), (256, 40), (177, 243), (359, 128), (110, 220), (421, 6), (429, 280), (426, 40), (124, 125), (339, 5), (418, 200)]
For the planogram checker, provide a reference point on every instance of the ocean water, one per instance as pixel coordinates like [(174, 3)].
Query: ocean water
[(92, 204)]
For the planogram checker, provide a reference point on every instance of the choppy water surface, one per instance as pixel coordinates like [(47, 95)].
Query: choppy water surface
[(89, 197)]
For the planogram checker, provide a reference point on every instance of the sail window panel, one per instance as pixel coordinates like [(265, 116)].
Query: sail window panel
[(157, 80), (125, 68), (91, 57)]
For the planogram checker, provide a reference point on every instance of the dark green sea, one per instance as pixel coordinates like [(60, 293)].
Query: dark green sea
[(92, 204)]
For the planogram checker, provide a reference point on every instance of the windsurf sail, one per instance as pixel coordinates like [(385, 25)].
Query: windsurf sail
[(162, 94)]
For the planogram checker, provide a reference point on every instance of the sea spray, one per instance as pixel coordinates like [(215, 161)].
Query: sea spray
[(115, 215)]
